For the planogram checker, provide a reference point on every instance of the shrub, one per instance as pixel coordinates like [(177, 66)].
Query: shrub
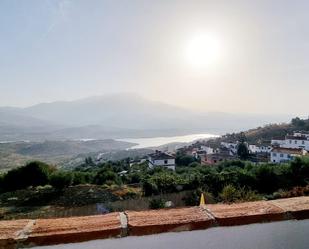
[(60, 179), (33, 174), (184, 160), (300, 171), (106, 176), (267, 179), (229, 194), (82, 178), (249, 195), (156, 203)]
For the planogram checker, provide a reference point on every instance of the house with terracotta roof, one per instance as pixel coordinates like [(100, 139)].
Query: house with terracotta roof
[(281, 155), (161, 159), (212, 159)]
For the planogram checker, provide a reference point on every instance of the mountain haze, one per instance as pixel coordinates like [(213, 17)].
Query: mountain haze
[(116, 116)]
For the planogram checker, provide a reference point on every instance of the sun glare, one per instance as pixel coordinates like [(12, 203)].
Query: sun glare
[(203, 51)]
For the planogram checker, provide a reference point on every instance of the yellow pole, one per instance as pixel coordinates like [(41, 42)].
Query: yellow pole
[(202, 200)]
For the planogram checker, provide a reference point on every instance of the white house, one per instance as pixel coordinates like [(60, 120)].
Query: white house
[(208, 150), (231, 146), (296, 141), (260, 148), (277, 142), (204, 150), (161, 159), (292, 141), (280, 155)]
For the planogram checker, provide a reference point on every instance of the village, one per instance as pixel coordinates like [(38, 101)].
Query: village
[(277, 150)]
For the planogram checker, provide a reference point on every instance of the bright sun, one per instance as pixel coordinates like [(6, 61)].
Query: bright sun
[(203, 51)]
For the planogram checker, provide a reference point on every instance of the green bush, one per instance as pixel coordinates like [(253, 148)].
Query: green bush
[(60, 179), (33, 174), (229, 194), (156, 203), (163, 182), (106, 176), (249, 195), (82, 177), (184, 160)]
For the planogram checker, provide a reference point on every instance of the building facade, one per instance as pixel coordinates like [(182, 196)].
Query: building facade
[(161, 159), (259, 148), (297, 140), (281, 155)]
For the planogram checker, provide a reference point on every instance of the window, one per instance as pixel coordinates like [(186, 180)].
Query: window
[(290, 141), (303, 142), (274, 154), (165, 161), (295, 141), (281, 155)]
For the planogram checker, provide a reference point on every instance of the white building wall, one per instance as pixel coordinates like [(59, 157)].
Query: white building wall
[(168, 163), (299, 134), (231, 146), (164, 162), (277, 142), (276, 157), (253, 148), (265, 149), (259, 149), (296, 144), (207, 149)]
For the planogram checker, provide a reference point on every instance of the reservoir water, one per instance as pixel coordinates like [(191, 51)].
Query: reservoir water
[(158, 141), (276, 235)]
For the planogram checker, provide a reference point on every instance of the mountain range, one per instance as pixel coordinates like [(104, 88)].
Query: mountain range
[(118, 116)]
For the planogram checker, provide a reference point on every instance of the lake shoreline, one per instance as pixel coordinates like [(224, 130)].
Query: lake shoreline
[(164, 140)]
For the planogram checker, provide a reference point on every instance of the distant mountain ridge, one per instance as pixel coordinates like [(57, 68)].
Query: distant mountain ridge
[(116, 116)]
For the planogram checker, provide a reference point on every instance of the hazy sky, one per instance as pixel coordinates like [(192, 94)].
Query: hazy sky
[(63, 50)]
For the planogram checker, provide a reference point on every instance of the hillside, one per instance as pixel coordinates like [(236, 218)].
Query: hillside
[(264, 134), (55, 152)]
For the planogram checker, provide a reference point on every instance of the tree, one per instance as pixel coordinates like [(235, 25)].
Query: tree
[(184, 160), (242, 151), (300, 171), (33, 174), (89, 161), (61, 180), (267, 179), (82, 177), (299, 123), (106, 175)]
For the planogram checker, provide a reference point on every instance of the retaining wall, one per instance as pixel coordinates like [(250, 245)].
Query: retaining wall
[(28, 233)]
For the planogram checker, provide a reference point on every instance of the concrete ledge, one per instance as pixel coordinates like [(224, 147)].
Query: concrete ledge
[(27, 233), (10, 231), (78, 229), (168, 220), (245, 213), (297, 207)]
